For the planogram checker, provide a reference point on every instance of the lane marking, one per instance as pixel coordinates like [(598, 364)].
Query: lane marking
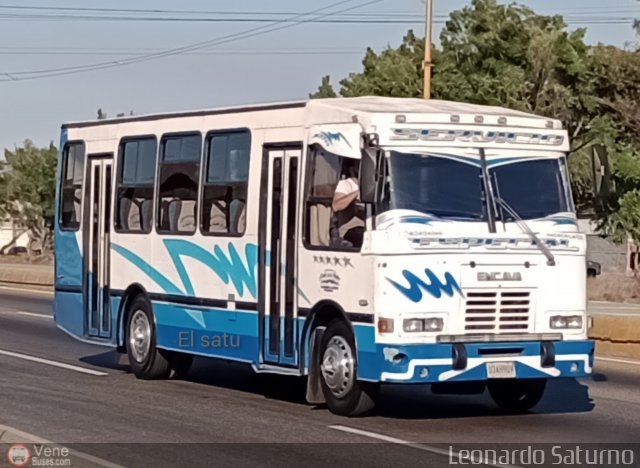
[(31, 314), (37, 292), (61, 365), (32, 439), (622, 361), (423, 447)]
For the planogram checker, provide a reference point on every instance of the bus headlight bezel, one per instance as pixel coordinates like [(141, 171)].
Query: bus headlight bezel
[(566, 322), (423, 325)]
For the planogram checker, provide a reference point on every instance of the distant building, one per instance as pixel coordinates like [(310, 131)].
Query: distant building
[(9, 229), (612, 257)]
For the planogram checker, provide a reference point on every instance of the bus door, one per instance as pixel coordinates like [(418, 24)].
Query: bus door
[(278, 258), (97, 229)]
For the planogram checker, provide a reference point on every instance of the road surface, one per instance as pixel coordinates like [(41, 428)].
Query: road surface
[(93, 399)]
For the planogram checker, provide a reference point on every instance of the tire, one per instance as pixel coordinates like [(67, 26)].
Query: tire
[(517, 396), (344, 394), (147, 362)]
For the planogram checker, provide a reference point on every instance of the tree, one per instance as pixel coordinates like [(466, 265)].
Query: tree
[(507, 55), (325, 90), (27, 191)]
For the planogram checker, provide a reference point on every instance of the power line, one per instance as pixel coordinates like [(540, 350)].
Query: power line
[(261, 30), (262, 13), (345, 19), (253, 52)]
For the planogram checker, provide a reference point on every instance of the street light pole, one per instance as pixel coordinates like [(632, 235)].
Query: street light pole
[(427, 49)]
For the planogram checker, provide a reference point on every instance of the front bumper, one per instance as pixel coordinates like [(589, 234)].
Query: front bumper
[(452, 362)]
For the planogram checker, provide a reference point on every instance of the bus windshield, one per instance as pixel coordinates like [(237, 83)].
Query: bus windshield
[(453, 189)]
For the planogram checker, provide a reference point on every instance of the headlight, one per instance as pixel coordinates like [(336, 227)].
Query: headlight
[(414, 325), (433, 324), (566, 322)]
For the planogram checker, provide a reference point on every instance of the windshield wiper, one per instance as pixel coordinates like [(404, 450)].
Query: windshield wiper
[(551, 261)]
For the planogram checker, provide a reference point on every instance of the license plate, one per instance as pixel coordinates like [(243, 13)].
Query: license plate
[(501, 370)]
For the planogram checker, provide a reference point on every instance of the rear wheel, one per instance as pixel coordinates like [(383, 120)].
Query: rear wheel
[(147, 362), (344, 394), (517, 395)]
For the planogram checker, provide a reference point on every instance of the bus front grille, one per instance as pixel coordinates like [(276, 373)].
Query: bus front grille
[(497, 311)]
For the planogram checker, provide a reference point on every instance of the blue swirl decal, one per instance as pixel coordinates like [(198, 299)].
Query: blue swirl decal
[(229, 267), (561, 220), (434, 287), (331, 137)]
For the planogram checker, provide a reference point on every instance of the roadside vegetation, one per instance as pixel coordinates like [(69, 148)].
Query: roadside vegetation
[(507, 55)]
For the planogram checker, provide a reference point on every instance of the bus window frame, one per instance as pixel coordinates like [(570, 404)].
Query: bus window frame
[(156, 195), (118, 184), (63, 168), (309, 165), (204, 169)]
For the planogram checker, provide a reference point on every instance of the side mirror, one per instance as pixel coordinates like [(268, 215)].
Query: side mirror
[(368, 171), (372, 170), (601, 173)]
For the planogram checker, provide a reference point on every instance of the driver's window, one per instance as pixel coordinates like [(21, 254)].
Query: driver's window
[(334, 214)]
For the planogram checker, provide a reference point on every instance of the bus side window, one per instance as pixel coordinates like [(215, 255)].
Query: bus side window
[(327, 227), (225, 183), (71, 188), (179, 177), (137, 168)]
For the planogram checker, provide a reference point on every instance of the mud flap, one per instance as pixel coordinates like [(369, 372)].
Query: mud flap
[(314, 389)]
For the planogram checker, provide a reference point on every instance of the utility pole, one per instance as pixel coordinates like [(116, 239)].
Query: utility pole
[(427, 49)]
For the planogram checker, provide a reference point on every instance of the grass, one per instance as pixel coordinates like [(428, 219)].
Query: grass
[(613, 287)]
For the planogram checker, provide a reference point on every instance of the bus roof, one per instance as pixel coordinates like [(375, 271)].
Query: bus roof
[(428, 111)]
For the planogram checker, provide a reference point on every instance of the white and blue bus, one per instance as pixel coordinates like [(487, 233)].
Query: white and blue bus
[(352, 241)]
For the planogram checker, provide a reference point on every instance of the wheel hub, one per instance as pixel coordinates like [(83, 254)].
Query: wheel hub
[(338, 366), (140, 336)]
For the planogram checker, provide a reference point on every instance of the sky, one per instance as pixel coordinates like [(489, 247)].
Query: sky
[(279, 65)]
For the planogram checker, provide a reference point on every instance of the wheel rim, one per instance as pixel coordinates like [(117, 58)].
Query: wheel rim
[(337, 366), (140, 336)]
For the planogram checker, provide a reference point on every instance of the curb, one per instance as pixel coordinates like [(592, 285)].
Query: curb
[(26, 276), (616, 335)]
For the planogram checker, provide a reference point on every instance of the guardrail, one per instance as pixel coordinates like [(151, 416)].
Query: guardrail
[(616, 335)]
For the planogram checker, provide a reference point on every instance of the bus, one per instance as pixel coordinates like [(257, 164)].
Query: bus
[(350, 241)]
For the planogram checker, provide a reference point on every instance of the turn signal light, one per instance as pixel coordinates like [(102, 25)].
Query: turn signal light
[(385, 325)]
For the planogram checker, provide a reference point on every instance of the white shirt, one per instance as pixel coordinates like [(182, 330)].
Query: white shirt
[(347, 186)]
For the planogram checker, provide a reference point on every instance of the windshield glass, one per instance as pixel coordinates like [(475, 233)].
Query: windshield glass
[(453, 189), (534, 189), (439, 186)]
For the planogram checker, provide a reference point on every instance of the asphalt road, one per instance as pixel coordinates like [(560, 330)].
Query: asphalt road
[(227, 404)]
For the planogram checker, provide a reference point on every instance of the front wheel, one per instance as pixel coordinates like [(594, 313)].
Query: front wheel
[(343, 393), (517, 395), (147, 362)]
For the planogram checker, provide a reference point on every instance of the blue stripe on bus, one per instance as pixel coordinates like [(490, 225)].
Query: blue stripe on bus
[(68, 259), (231, 267), (213, 332), (68, 311)]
